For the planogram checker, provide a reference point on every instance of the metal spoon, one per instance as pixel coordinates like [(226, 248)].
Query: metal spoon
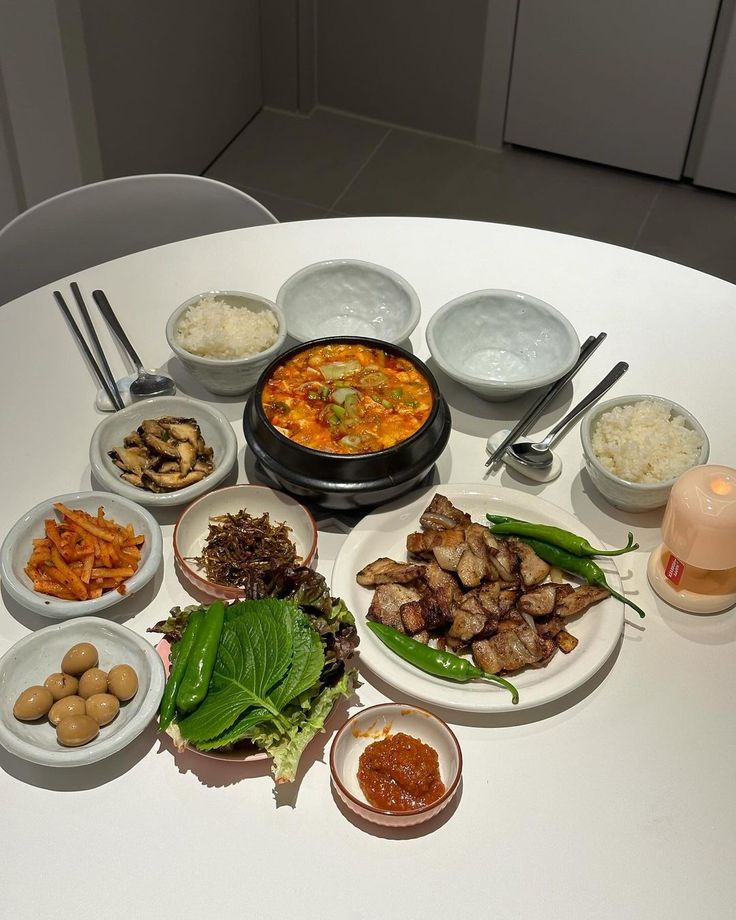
[(146, 383), (539, 454)]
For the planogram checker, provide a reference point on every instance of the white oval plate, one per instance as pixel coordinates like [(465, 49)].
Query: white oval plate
[(383, 533)]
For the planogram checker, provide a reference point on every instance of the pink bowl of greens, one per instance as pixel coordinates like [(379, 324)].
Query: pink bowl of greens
[(281, 664)]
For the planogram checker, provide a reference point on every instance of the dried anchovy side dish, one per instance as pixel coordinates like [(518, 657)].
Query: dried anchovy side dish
[(164, 455), (242, 551), (466, 590)]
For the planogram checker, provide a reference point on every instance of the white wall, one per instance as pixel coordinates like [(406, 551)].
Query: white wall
[(39, 102), (172, 80)]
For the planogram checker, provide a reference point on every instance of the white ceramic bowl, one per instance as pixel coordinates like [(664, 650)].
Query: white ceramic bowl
[(373, 724), (17, 547), (501, 344), (634, 496), (192, 527), (216, 430), (227, 376), (348, 297), (33, 658)]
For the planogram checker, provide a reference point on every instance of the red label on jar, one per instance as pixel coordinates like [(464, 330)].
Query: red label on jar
[(674, 569)]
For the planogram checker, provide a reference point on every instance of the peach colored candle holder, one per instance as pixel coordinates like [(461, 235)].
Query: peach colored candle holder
[(694, 568)]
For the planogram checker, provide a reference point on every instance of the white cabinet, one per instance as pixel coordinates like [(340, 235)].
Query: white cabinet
[(612, 81)]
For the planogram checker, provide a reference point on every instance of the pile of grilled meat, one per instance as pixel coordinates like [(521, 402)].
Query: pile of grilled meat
[(466, 590)]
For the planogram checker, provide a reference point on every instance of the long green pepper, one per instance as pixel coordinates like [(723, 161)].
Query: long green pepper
[(585, 568), (168, 700), (554, 536), (435, 661), (201, 664)]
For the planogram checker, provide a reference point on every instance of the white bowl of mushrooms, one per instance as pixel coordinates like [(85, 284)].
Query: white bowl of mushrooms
[(164, 451)]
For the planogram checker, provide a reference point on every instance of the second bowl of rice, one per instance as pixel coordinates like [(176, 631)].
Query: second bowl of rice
[(636, 447), (226, 338)]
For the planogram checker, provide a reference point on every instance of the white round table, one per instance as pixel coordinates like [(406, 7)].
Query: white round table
[(618, 801)]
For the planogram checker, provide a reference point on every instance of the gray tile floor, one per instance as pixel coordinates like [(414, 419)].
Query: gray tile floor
[(332, 164)]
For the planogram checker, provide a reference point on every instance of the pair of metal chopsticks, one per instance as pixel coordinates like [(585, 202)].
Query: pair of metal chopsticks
[(104, 374), (536, 409)]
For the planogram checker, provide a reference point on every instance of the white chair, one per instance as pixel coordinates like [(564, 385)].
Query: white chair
[(95, 223)]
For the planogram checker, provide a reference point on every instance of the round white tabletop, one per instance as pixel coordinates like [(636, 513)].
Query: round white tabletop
[(616, 801)]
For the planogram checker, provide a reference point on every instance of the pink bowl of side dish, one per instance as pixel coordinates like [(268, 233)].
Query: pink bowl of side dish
[(370, 727), (196, 522)]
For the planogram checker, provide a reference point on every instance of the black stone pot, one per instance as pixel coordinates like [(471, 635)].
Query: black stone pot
[(346, 481)]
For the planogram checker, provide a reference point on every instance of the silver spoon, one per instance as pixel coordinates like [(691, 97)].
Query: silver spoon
[(146, 383), (539, 454)]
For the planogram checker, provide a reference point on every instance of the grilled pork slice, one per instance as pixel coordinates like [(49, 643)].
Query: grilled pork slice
[(437, 579), (422, 543), (507, 599), (385, 571), (549, 627), (441, 514), (505, 561), (478, 614), (539, 601), (426, 613), (472, 568), (579, 600), (565, 641), (386, 604), (533, 570), (467, 625), (448, 557), (512, 649)]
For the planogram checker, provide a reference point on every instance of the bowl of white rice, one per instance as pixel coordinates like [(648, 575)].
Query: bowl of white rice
[(636, 447), (226, 338)]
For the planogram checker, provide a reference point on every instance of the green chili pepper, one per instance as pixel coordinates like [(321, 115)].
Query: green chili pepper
[(585, 568), (196, 680), (555, 536), (434, 661), (183, 653)]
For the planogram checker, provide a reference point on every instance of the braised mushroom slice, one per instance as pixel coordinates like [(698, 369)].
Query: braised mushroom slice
[(157, 439), (170, 482), (187, 456), (182, 429)]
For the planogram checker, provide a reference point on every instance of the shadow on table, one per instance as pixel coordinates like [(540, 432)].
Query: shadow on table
[(610, 523), (126, 609), (217, 773), (187, 385), (505, 719), (60, 779)]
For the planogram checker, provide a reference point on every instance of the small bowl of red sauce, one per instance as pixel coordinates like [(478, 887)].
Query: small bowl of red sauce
[(396, 765)]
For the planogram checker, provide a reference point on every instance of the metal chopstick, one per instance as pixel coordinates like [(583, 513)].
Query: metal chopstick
[(118, 402), (85, 348), (536, 409)]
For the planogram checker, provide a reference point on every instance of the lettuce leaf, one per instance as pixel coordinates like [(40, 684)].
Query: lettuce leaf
[(286, 746)]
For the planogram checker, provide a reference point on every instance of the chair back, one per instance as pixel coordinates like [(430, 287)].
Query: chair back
[(105, 220)]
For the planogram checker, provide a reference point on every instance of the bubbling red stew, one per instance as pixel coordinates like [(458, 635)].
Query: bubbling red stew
[(347, 398)]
